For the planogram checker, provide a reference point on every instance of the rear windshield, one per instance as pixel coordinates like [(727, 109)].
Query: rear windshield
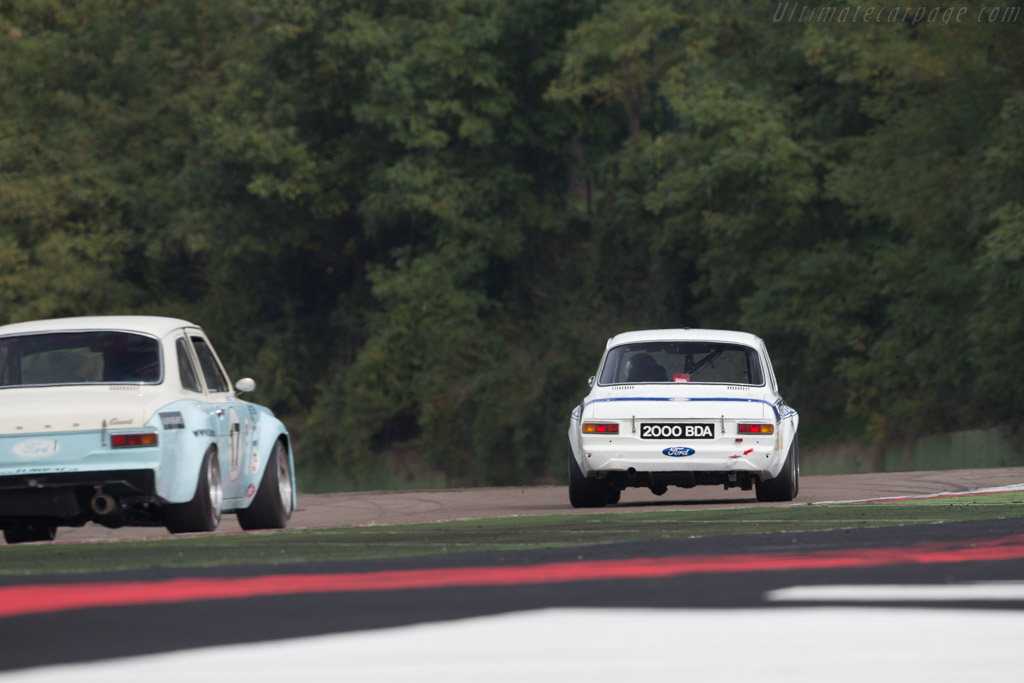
[(79, 358), (700, 362)]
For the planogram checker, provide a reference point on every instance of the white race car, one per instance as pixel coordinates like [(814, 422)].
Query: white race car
[(683, 408), (131, 420)]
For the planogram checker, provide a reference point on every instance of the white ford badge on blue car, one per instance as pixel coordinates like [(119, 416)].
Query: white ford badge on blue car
[(683, 408), (131, 420)]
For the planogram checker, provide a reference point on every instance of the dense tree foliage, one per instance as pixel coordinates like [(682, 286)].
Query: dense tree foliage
[(416, 222)]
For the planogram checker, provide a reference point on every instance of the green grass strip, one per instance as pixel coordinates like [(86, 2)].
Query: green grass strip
[(505, 534)]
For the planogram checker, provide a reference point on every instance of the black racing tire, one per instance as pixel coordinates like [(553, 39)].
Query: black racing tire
[(786, 486), (271, 508), (583, 492), (29, 532), (203, 512)]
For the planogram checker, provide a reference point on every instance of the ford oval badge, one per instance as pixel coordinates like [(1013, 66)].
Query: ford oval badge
[(678, 451), (36, 448)]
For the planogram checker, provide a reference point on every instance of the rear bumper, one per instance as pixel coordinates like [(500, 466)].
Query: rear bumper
[(63, 497), (601, 456), (128, 482)]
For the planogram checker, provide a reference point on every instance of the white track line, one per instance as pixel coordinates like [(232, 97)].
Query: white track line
[(960, 592), (791, 645), (925, 496)]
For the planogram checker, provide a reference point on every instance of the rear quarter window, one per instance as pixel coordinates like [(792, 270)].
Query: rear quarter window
[(186, 369), (215, 379)]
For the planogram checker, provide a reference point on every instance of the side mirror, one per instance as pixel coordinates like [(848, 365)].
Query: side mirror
[(590, 382), (246, 385)]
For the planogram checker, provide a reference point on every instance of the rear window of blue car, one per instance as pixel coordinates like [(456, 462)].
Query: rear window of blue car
[(682, 361), (61, 358)]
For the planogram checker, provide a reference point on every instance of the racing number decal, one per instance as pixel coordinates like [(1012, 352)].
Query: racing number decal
[(235, 443)]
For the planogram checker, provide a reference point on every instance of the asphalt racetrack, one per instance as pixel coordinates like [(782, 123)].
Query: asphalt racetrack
[(927, 602), (403, 507)]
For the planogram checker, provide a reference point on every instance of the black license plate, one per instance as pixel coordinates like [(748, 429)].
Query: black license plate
[(659, 430)]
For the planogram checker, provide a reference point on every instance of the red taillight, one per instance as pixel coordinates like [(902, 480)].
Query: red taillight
[(132, 440), (600, 427), (755, 429)]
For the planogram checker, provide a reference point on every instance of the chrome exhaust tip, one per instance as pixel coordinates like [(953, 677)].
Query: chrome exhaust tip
[(102, 503)]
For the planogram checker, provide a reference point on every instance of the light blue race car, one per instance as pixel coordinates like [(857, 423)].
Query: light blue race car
[(131, 420)]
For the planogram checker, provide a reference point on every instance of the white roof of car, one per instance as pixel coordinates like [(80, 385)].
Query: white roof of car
[(149, 324), (685, 334)]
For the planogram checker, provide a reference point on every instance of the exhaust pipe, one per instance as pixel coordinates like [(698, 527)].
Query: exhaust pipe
[(102, 503)]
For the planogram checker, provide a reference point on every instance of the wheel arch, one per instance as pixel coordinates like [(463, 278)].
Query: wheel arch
[(182, 451), (271, 431), (787, 428)]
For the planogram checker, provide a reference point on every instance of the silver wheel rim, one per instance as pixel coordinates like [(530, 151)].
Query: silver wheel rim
[(216, 490), (284, 479)]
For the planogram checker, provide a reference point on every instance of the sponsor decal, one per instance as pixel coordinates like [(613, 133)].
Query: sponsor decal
[(255, 461), (35, 448), (202, 432), (249, 492), (234, 443), (678, 451), (45, 470), (172, 420)]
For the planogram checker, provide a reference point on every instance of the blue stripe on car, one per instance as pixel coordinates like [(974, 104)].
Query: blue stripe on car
[(703, 400)]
